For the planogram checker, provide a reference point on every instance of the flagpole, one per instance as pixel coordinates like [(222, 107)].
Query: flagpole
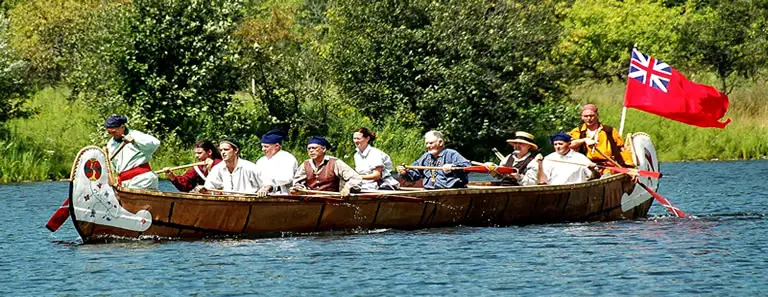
[(623, 116), (624, 108)]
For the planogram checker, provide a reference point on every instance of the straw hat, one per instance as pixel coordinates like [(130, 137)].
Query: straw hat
[(523, 137)]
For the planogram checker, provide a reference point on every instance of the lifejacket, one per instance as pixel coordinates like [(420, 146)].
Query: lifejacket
[(521, 167), (323, 180)]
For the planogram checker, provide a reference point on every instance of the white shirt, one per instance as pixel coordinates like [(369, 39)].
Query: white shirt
[(243, 179), (561, 173), (277, 171), (530, 178), (367, 161), (135, 153)]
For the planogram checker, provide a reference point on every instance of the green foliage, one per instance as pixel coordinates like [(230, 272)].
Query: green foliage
[(476, 70), (728, 38), (15, 83), (180, 63), (599, 34)]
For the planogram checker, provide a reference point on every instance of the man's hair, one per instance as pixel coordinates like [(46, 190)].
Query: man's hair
[(435, 133)]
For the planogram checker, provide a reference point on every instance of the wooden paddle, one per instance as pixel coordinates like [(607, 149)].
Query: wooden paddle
[(646, 173), (326, 198), (663, 201), (180, 167), (498, 154), (496, 168), (476, 169), (378, 195)]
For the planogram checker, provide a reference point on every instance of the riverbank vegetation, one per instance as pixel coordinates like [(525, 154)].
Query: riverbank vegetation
[(477, 70)]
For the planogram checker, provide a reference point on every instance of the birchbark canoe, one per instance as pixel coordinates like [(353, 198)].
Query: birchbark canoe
[(101, 212)]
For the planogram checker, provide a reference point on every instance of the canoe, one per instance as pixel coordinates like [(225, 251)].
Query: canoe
[(101, 212)]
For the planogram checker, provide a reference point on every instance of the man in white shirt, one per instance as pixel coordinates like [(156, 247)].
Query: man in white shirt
[(277, 167), (131, 162), (233, 174), (558, 167)]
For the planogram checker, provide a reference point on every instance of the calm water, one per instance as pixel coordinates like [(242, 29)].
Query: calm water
[(724, 251)]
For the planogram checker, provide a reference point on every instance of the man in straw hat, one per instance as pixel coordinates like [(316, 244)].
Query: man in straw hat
[(233, 174), (522, 160), (322, 172)]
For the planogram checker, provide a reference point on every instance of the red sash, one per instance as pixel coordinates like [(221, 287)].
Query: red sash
[(133, 172)]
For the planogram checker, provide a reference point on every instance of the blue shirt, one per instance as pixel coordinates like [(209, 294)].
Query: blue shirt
[(438, 179)]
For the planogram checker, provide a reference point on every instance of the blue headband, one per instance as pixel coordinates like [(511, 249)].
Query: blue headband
[(560, 136), (321, 141), (273, 136), (115, 121)]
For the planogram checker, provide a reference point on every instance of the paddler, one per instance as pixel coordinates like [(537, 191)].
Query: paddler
[(437, 155), (277, 167), (132, 160), (322, 172), (600, 143), (194, 179), (521, 159), (234, 174)]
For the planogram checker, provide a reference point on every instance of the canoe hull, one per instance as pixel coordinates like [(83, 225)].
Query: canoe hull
[(182, 215)]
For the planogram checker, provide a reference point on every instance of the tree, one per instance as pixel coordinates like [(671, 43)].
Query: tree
[(599, 34), (15, 84), (179, 63), (728, 38), (478, 70)]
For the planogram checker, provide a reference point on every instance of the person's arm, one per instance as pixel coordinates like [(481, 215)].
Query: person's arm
[(186, 182), (300, 178), (540, 175), (374, 175), (352, 180), (531, 176), (143, 142)]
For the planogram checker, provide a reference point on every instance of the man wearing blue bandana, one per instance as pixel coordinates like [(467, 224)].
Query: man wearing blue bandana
[(132, 161), (558, 167), (438, 156), (277, 167), (325, 173), (233, 174)]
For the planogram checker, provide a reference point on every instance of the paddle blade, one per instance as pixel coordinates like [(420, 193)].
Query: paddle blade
[(483, 169), (59, 217), (664, 202), (646, 173)]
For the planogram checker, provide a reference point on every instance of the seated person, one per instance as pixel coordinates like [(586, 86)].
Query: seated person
[(373, 165), (277, 167), (522, 160), (438, 156), (325, 173), (233, 174), (205, 151), (600, 143), (557, 167)]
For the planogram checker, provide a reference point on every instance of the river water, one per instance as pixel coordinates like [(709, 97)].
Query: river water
[(723, 251)]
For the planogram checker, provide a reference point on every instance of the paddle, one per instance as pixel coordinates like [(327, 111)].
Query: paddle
[(476, 169), (62, 213), (325, 198), (498, 154), (379, 195), (180, 167), (663, 201), (646, 173)]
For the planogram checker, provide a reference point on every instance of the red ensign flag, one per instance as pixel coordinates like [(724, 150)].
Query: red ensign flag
[(655, 87)]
